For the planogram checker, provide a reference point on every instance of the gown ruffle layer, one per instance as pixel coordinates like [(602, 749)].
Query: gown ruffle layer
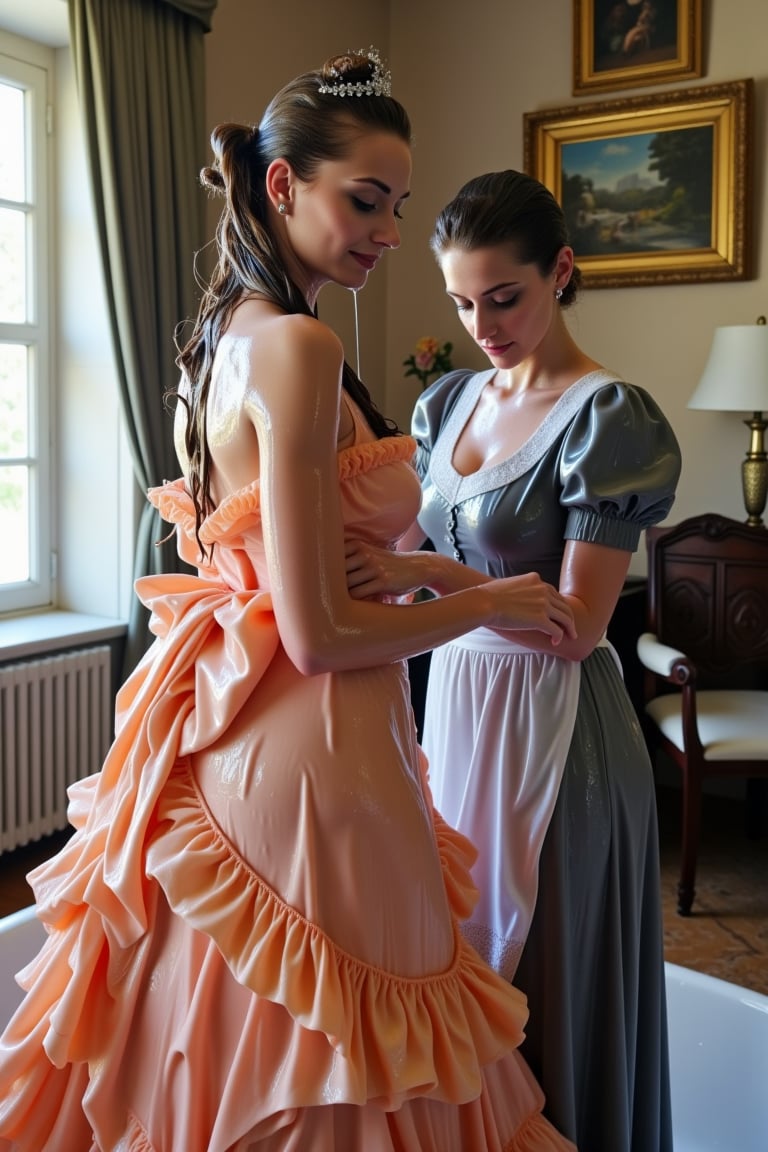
[(193, 995)]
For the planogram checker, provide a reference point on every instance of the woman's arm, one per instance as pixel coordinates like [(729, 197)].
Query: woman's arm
[(591, 578), (620, 423), (293, 400)]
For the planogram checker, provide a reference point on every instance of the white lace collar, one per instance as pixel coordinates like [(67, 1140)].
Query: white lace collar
[(455, 487)]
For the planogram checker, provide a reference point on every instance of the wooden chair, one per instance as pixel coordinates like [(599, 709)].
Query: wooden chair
[(705, 656)]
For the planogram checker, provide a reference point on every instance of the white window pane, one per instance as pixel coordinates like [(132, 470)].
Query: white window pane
[(12, 163), (14, 404), (25, 495), (13, 270), (14, 524)]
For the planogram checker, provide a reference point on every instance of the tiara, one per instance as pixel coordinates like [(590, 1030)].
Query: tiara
[(378, 84)]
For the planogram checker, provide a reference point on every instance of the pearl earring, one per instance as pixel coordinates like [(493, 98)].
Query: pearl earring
[(558, 293), (282, 209)]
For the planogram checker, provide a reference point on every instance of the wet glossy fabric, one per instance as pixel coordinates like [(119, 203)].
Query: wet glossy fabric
[(253, 933), (602, 466)]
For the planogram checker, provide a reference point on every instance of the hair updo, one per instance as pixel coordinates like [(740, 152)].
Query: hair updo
[(352, 68), (507, 208)]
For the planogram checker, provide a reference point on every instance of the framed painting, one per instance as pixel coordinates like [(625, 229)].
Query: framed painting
[(655, 190), (629, 43)]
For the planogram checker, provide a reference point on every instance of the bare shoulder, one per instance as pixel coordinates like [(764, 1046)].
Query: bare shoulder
[(283, 343), (265, 358), (294, 354), (280, 373), (304, 344), (296, 330)]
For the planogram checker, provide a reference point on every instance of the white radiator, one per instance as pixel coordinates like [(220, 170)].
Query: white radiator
[(55, 728)]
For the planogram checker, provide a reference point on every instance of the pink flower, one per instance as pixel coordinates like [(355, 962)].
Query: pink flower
[(430, 358)]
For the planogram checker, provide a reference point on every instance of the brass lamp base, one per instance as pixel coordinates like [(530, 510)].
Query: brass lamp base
[(754, 471)]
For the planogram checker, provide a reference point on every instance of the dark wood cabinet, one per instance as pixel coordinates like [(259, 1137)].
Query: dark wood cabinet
[(627, 623)]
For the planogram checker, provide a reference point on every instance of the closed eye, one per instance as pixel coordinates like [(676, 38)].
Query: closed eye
[(365, 206), (501, 304)]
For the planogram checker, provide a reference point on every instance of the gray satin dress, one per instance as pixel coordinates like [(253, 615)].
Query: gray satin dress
[(541, 762)]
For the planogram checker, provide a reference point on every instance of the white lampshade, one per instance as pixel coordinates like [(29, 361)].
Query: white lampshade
[(735, 378)]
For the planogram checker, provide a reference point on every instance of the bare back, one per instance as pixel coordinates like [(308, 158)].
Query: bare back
[(247, 365)]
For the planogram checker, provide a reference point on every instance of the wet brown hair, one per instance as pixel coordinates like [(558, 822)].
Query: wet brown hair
[(305, 127)]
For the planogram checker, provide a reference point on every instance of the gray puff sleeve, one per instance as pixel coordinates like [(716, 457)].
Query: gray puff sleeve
[(431, 411), (619, 467)]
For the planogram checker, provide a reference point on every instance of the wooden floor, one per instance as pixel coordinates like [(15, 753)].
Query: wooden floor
[(726, 935)]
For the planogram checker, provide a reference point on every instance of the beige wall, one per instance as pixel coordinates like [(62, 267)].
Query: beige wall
[(467, 73)]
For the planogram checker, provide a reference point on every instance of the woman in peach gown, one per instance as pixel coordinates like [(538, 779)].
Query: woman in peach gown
[(253, 937)]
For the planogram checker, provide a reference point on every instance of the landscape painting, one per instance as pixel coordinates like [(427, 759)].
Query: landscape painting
[(654, 189), (647, 192)]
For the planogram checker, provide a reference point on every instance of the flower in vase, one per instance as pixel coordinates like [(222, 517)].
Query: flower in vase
[(429, 358)]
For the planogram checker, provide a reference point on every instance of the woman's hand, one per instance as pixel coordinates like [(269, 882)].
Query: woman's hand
[(517, 603), (522, 603), (373, 572)]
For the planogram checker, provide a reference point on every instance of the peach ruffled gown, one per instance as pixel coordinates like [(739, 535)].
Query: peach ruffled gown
[(253, 933)]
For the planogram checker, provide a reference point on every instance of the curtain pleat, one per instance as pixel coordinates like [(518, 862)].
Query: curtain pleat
[(140, 72), (202, 10)]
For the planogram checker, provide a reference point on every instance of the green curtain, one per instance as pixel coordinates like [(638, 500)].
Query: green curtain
[(202, 10), (140, 70)]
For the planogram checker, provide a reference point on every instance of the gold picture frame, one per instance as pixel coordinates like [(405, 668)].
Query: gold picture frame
[(655, 190), (631, 43)]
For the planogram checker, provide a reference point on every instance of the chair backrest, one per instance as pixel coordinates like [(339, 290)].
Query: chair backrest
[(708, 595)]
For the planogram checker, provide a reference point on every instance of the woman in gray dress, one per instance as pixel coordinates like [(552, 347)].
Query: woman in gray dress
[(546, 462)]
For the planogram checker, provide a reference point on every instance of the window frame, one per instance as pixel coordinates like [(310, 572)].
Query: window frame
[(33, 73)]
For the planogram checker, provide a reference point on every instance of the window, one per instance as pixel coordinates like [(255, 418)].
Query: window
[(26, 553)]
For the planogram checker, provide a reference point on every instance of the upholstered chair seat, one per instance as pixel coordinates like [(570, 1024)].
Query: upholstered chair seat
[(706, 659)]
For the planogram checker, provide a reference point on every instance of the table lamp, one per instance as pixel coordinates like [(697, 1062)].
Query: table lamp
[(735, 379)]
